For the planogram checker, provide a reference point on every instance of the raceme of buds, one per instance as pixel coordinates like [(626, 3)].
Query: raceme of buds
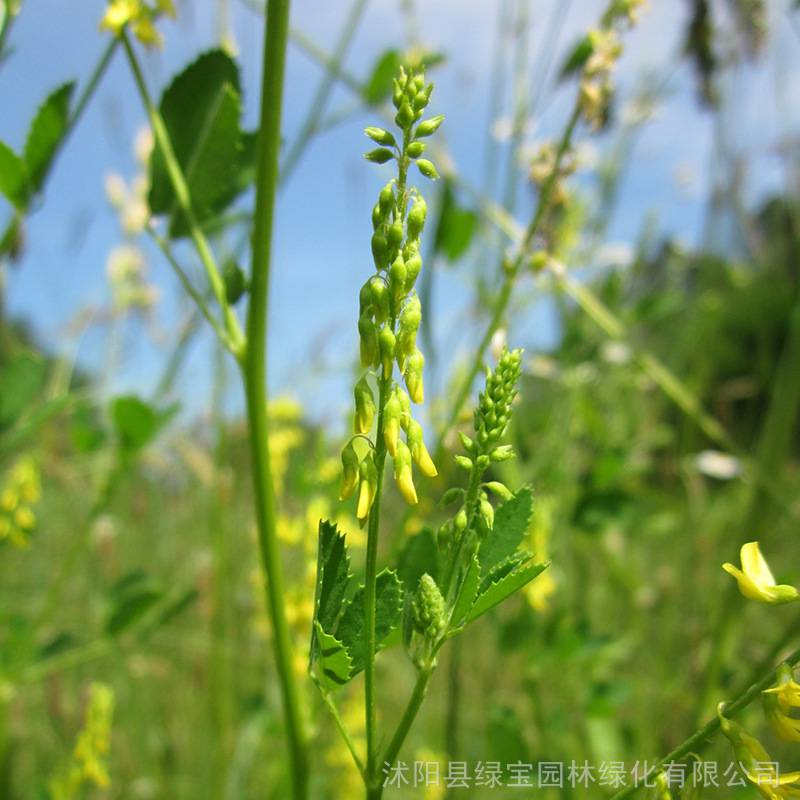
[(428, 609), (390, 312), (494, 405)]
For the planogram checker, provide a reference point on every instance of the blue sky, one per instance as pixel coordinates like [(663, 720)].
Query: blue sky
[(322, 235)]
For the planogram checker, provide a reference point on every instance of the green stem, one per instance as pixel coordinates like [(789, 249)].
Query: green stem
[(234, 338), (91, 85), (370, 578), (254, 372), (329, 702), (699, 740)]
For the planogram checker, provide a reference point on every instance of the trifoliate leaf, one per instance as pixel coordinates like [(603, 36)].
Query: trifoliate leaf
[(46, 133), (455, 226), (201, 110), (331, 666), (136, 422), (497, 591), (388, 609), (511, 522), (13, 177)]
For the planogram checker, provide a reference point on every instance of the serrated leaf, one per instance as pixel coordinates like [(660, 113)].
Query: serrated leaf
[(455, 226), (511, 522), (388, 609), (332, 666), (333, 575), (201, 110), (504, 587), (45, 134), (13, 177), (379, 85), (505, 567), (466, 597)]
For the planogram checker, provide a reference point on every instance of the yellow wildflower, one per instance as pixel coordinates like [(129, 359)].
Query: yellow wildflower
[(755, 578), (781, 699), (140, 16)]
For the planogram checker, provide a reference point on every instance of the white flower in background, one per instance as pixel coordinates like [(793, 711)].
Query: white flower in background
[(126, 269), (615, 254), (717, 465), (498, 343), (615, 353), (143, 145), (541, 366)]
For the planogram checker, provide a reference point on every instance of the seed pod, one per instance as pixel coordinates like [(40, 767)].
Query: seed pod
[(420, 454), (416, 218), (349, 471), (386, 345), (379, 298), (402, 473), (397, 278), (380, 155), (380, 136), (365, 406), (368, 341), (392, 414), (427, 168), (415, 149), (380, 249), (428, 126), (413, 376), (368, 486), (428, 609)]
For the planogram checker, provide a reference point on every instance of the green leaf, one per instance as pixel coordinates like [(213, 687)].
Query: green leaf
[(22, 380), (13, 177), (46, 134), (332, 666), (466, 597), (131, 598), (511, 522), (379, 85), (136, 422), (506, 584), (12, 239), (333, 575), (388, 609), (418, 556), (455, 226), (577, 58), (201, 110)]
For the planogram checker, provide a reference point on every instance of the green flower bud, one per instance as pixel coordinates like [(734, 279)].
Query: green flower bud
[(398, 95), (236, 283), (413, 376), (429, 612), (368, 340), (428, 126), (395, 238), (502, 453), (411, 315), (405, 405), (364, 300), (494, 404), (349, 471), (467, 443), (419, 103), (365, 406), (397, 277), (416, 218), (386, 198), (380, 136), (392, 415), (386, 345), (419, 452), (404, 116), (463, 462), (379, 298), (419, 82), (377, 217), (413, 267), (380, 249), (460, 521), (415, 149), (454, 495), (380, 155), (402, 473), (427, 169)]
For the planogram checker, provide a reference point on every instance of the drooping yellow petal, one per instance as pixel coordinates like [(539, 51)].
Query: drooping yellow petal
[(755, 565)]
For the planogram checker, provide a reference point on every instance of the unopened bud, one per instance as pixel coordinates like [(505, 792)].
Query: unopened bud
[(402, 473), (427, 168), (365, 406), (368, 486), (428, 126), (349, 471), (392, 414), (368, 341), (380, 155), (386, 346), (380, 136), (419, 452), (416, 218), (413, 376)]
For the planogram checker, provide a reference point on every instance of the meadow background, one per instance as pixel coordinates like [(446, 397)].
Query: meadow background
[(141, 570)]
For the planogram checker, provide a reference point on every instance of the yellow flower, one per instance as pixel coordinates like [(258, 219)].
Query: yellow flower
[(781, 699), (140, 16), (755, 578)]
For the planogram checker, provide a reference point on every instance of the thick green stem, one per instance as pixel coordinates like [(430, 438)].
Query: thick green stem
[(700, 739), (254, 370), (370, 578), (233, 333)]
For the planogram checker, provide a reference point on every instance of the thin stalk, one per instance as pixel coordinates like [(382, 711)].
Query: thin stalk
[(699, 740), (348, 740), (91, 85), (234, 336), (254, 373)]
